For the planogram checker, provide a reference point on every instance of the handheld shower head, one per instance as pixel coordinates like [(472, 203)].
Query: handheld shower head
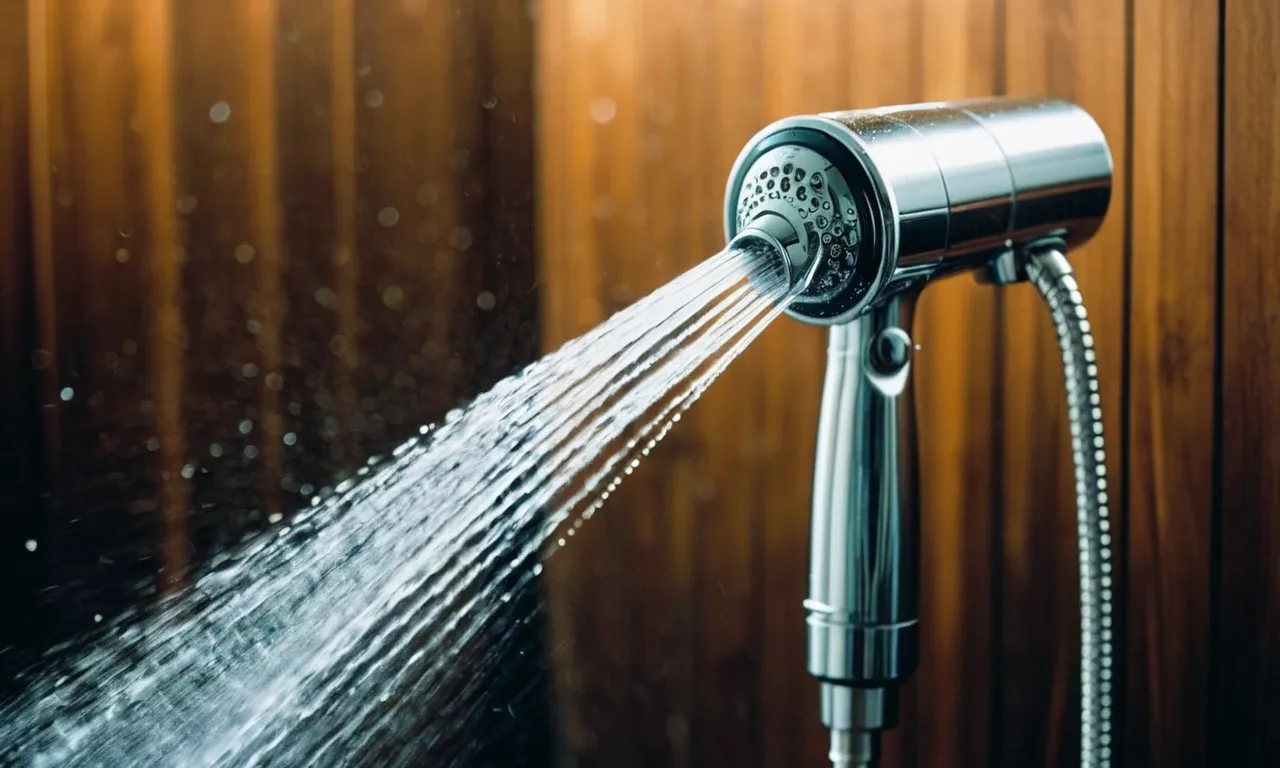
[(866, 207), (870, 203)]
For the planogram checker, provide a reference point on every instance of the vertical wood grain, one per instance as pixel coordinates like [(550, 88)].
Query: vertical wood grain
[(154, 56), (221, 127), (947, 716), (21, 458), (1244, 705), (41, 77), (1171, 380), (1078, 51), (102, 214), (346, 267), (258, 21)]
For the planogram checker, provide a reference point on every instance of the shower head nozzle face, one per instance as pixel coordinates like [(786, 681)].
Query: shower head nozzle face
[(872, 203), (797, 184), (801, 182)]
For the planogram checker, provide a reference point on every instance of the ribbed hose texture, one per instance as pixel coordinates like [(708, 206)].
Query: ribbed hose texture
[(1052, 276)]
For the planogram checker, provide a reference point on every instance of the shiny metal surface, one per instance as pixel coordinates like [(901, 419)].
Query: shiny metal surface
[(907, 195), (861, 606), (928, 190)]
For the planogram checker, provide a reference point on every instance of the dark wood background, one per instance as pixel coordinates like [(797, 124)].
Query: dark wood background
[(311, 262), (678, 617)]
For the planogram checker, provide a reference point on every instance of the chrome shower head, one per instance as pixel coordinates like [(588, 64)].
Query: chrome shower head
[(866, 207), (868, 203)]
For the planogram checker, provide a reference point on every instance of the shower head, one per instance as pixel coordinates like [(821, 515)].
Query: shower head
[(865, 208), (869, 203)]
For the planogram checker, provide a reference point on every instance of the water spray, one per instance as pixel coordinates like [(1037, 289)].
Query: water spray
[(868, 207)]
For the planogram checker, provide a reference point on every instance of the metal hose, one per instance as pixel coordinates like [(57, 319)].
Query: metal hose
[(1052, 275)]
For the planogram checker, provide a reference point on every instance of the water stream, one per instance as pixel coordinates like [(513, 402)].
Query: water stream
[(299, 645)]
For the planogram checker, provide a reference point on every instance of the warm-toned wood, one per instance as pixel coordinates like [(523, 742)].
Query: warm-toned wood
[(1077, 51), (259, 22), (20, 465), (190, 247), (947, 716), (1167, 582), (345, 274), (746, 452), (1244, 703), (153, 55), (100, 210)]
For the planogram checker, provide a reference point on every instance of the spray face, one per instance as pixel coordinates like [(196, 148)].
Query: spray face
[(870, 203)]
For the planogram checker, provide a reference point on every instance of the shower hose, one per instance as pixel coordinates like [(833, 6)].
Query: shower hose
[(1052, 275)]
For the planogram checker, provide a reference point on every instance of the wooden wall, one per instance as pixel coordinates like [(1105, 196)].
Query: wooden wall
[(286, 212), (244, 246), (677, 618)]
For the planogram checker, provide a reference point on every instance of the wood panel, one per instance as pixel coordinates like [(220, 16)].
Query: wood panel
[(243, 247), (947, 713), (1170, 380), (1078, 51), (679, 612), (20, 455), (1244, 704)]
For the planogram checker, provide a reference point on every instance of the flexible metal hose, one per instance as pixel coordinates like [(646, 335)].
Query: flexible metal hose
[(1052, 275)]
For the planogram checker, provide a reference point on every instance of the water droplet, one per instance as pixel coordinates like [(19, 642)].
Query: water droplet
[(486, 301), (67, 393), (324, 297), (460, 238), (603, 209), (393, 297), (215, 450), (188, 471), (246, 427), (66, 198), (274, 518), (290, 438), (489, 102), (388, 217), (31, 545), (274, 382), (560, 542), (153, 444), (306, 489), (220, 112), (250, 452), (374, 98), (122, 255), (506, 597), (427, 194), (245, 253), (97, 618), (603, 110), (249, 370), (187, 204), (537, 569)]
